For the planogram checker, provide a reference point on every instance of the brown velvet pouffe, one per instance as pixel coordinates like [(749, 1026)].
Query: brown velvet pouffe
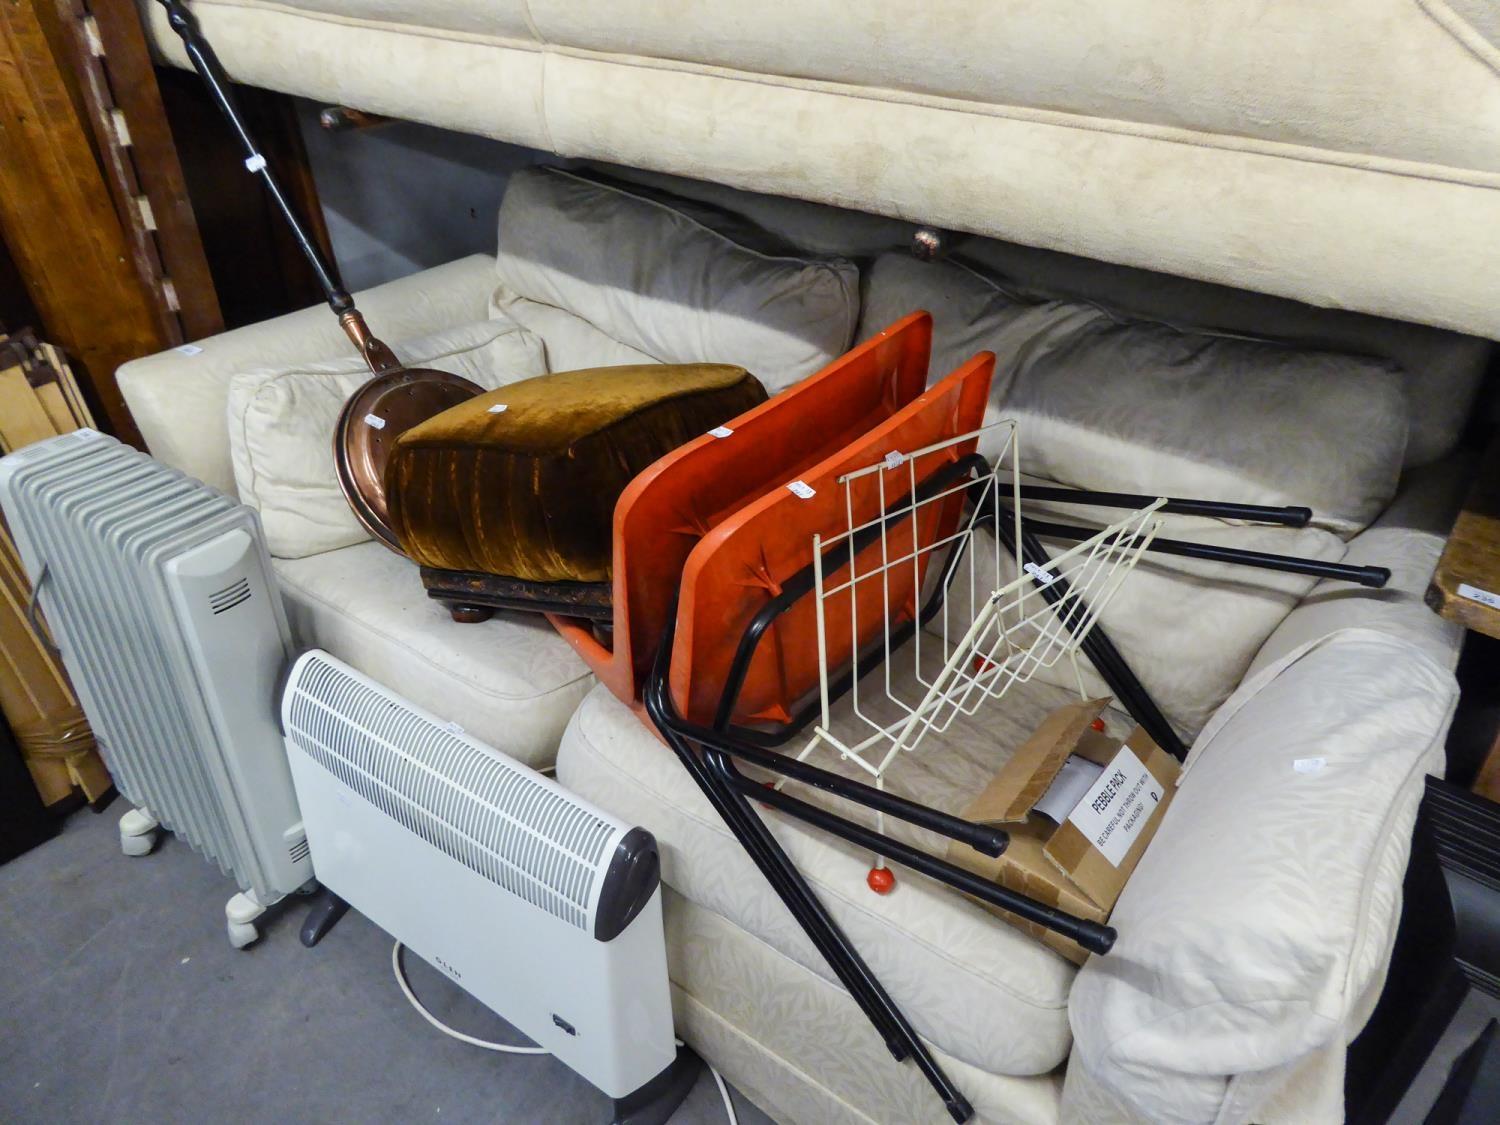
[(507, 500)]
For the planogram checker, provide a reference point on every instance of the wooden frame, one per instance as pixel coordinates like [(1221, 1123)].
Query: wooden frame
[(57, 218)]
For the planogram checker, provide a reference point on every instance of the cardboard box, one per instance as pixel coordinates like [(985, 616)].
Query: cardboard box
[(1081, 863)]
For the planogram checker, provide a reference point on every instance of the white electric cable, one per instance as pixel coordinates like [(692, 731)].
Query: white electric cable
[(440, 1025), (724, 1093), (723, 1089), (506, 1048)]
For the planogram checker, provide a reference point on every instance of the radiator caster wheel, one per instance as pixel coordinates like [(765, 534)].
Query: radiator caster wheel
[(138, 832), (242, 934), (240, 914)]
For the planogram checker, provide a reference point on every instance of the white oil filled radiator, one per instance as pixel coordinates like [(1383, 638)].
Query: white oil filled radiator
[(159, 593), (538, 904)]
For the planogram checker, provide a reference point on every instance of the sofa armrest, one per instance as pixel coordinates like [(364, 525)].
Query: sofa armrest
[(179, 400), (1262, 915), (1408, 538)]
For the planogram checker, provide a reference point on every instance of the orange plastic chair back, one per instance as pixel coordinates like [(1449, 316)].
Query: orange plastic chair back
[(741, 564), (664, 513)]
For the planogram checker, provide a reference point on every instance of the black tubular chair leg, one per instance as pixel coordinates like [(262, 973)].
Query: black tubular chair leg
[(1096, 645), (981, 837), (820, 929), (832, 944), (958, 1106), (1093, 936)]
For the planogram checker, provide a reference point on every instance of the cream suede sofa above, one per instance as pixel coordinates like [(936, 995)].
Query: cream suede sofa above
[(1345, 152), (1252, 949)]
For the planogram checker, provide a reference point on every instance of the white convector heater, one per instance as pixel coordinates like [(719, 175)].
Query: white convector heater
[(541, 906), (160, 595)]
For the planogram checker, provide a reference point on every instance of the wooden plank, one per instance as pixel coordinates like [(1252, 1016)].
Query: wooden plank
[(112, 143), (50, 397), (52, 778), (77, 405), (122, 79), (1466, 585), (22, 419), (89, 773), (58, 222)]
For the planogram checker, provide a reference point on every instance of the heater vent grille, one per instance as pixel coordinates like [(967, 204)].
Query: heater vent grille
[(499, 819), (230, 596)]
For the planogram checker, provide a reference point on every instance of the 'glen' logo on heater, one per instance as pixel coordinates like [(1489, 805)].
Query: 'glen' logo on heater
[(447, 968)]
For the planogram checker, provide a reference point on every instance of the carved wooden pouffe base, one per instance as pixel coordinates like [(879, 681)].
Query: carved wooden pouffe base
[(471, 596), (466, 614)]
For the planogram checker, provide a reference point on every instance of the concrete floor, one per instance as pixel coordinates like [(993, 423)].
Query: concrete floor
[(121, 1000)]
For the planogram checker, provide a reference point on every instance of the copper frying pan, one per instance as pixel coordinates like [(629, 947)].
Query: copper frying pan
[(396, 397)]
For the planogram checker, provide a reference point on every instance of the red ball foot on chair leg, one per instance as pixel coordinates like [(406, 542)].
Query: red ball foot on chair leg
[(881, 881), (469, 614)]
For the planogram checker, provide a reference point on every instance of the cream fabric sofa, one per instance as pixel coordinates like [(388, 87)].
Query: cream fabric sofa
[(1346, 153), (1359, 681)]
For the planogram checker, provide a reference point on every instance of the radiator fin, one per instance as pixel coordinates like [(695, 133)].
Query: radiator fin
[(106, 522), (500, 820)]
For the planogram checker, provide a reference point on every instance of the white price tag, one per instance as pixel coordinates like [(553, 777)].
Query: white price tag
[(720, 431), (187, 349), (1041, 574), (498, 408), (1309, 765), (802, 490), (255, 162), (375, 421), (1475, 594), (1118, 806), (453, 728), (1068, 787), (894, 459)]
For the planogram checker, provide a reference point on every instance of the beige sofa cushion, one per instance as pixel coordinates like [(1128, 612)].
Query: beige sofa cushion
[(978, 989), (800, 1048), (1441, 371), (282, 420), (511, 681), (571, 343), (657, 279), (1255, 925), (1407, 539), (1109, 403)]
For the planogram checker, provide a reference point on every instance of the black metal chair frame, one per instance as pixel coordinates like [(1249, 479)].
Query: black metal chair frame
[(711, 754)]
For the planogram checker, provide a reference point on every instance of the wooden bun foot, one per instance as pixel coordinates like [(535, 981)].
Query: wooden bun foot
[(466, 614)]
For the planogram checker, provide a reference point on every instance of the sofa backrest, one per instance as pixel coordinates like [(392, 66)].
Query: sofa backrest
[(1445, 367), (179, 399)]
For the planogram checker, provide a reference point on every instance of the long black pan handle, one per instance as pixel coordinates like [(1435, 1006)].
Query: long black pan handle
[(207, 64), (1216, 509)]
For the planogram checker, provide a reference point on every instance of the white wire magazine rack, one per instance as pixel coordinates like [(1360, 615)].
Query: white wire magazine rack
[(1000, 631)]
